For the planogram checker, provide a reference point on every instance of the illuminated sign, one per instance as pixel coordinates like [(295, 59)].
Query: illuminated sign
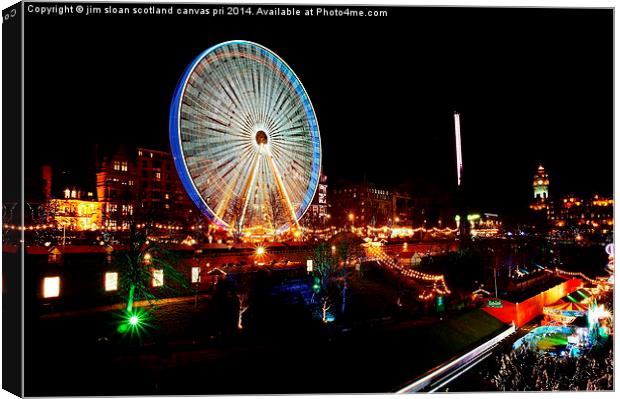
[(495, 303)]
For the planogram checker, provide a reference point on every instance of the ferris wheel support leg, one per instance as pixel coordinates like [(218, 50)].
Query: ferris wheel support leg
[(282, 190), (247, 189)]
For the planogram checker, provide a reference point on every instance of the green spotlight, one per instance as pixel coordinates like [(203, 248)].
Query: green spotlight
[(134, 322)]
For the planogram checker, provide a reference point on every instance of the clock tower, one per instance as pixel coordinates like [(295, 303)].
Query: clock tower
[(541, 184)]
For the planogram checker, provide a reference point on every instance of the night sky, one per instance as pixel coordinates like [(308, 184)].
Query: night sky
[(532, 85)]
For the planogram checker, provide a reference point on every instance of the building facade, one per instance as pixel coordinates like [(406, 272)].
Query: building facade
[(570, 215), (139, 183), (318, 214), (364, 204), (571, 211)]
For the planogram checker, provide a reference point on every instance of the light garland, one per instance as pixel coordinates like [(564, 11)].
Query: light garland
[(445, 230), (108, 228), (382, 257), (575, 274), (32, 227)]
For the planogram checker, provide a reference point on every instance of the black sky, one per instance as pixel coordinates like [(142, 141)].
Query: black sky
[(532, 85)]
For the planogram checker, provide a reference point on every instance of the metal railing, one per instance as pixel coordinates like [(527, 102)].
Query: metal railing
[(444, 370)]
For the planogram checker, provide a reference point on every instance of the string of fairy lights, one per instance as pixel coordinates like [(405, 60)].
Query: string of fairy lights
[(445, 230), (31, 227), (439, 286), (105, 228), (572, 274)]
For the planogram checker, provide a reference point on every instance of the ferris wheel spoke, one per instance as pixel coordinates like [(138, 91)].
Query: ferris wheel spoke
[(219, 104), (290, 119), (249, 79), (266, 100), (225, 121), (237, 82), (292, 139), (256, 83), (228, 189), (226, 150), (249, 111), (297, 126), (207, 88), (272, 109), (290, 153), (280, 113), (226, 166)]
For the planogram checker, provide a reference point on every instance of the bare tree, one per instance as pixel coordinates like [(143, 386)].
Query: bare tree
[(244, 287), (243, 306), (329, 272), (42, 214), (276, 210), (348, 252), (8, 217)]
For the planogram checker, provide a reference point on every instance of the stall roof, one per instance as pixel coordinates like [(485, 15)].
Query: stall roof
[(578, 296)]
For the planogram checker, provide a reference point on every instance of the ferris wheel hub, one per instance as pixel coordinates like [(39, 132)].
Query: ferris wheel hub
[(261, 137)]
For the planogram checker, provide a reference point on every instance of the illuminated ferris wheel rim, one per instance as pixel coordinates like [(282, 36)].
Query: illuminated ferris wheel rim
[(177, 146)]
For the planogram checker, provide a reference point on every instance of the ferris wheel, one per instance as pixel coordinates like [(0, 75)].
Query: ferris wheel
[(245, 139)]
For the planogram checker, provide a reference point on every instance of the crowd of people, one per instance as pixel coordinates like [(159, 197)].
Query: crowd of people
[(524, 369)]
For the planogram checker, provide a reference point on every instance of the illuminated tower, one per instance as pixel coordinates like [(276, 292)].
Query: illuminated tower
[(462, 211), (541, 184), (459, 155)]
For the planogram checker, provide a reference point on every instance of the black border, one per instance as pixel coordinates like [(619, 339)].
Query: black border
[(12, 191)]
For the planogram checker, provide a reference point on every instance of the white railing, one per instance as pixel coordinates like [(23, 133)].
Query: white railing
[(442, 370)]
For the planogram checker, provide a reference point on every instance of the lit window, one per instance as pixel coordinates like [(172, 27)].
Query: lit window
[(151, 154), (139, 153), (73, 194), (117, 165), (67, 193), (158, 277), (195, 274), (131, 182), (124, 166), (157, 175), (111, 281), (167, 196), (51, 287)]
